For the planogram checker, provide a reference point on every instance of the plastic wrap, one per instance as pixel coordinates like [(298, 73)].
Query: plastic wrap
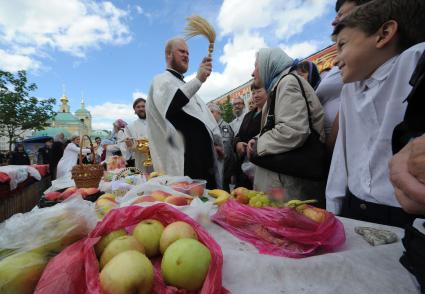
[(76, 269), (28, 241), (146, 189), (280, 231)]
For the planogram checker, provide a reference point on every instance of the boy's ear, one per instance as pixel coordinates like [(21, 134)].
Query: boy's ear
[(386, 33)]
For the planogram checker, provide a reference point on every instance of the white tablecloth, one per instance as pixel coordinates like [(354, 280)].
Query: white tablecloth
[(356, 268)]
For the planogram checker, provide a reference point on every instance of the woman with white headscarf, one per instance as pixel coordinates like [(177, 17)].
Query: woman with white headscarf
[(274, 70), (70, 157), (116, 146)]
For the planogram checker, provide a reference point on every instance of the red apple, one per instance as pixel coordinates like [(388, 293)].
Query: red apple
[(180, 186), (53, 196), (196, 189), (177, 200), (160, 195), (68, 192), (144, 198), (88, 191)]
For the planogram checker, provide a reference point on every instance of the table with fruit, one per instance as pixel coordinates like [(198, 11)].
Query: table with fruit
[(170, 235)]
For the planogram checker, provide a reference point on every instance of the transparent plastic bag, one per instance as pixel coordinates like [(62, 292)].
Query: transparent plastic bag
[(134, 196), (183, 184), (29, 240), (280, 231), (248, 169), (76, 269)]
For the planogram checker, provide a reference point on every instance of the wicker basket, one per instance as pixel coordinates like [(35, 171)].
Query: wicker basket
[(87, 175)]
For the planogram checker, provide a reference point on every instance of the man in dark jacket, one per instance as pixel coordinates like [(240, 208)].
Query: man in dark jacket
[(56, 153)]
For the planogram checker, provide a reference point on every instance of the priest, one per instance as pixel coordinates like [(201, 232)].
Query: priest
[(137, 130), (184, 136)]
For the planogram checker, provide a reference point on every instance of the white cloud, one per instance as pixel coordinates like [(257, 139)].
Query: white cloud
[(139, 9), (139, 94), (300, 50), (284, 18), (247, 23), (71, 26), (14, 62), (105, 114)]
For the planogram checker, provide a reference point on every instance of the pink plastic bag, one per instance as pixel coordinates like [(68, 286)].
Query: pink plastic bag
[(280, 231), (76, 269)]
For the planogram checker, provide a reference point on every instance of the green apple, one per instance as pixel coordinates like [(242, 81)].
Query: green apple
[(20, 272), (127, 273), (175, 231), (118, 245), (185, 264), (148, 233), (101, 245)]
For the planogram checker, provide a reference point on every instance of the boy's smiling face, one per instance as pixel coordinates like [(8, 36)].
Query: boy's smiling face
[(356, 54)]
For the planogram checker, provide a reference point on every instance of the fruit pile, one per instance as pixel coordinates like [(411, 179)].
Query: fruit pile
[(70, 192), (195, 188), (104, 204), (162, 196), (260, 200), (124, 261)]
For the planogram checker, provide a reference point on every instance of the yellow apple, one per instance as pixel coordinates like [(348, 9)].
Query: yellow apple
[(101, 245), (148, 233), (175, 231), (118, 245), (127, 273), (20, 272), (185, 264)]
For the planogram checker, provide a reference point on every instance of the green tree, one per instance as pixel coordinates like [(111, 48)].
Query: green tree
[(18, 110), (227, 110)]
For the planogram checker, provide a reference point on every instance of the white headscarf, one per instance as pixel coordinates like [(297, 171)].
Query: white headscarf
[(272, 63)]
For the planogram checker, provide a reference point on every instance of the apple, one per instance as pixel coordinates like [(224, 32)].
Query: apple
[(127, 273), (68, 192), (144, 198), (160, 195), (180, 186), (177, 200), (53, 196), (88, 191), (175, 231), (118, 245), (185, 264), (108, 196), (242, 198), (240, 191), (196, 189), (103, 206), (148, 233), (108, 238), (20, 272)]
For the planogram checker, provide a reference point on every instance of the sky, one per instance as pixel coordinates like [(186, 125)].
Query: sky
[(109, 51)]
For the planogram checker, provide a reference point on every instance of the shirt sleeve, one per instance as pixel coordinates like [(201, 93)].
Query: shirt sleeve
[(338, 177), (182, 96)]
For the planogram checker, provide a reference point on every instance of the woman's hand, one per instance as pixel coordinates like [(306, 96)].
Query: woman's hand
[(241, 148), (252, 145)]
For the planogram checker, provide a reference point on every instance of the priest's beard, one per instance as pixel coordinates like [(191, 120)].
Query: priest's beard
[(141, 115)]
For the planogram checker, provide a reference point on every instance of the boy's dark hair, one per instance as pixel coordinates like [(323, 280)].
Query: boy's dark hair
[(97, 138), (409, 15), (137, 101), (339, 3)]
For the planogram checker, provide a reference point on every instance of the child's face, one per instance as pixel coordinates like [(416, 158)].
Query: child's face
[(355, 54)]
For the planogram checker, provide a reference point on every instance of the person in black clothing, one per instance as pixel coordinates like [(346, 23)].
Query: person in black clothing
[(183, 135), (407, 172), (56, 153), (250, 127), (19, 156), (44, 153)]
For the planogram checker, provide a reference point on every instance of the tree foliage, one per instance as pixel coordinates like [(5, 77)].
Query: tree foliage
[(227, 110), (19, 111)]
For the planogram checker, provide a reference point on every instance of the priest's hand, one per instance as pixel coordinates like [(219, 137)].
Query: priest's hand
[(205, 69), (129, 143)]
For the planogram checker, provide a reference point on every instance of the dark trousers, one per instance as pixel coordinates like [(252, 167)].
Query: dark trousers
[(356, 208)]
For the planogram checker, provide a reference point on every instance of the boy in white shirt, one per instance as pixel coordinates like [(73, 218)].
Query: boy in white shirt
[(376, 54)]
